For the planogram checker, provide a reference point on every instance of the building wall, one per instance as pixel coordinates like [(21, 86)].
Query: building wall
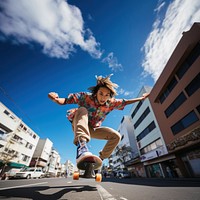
[(17, 138), (175, 101), (42, 153), (151, 145), (43, 149), (183, 49), (127, 144)]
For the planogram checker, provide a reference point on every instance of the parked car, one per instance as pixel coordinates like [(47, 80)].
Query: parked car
[(10, 174), (123, 174), (49, 175), (30, 173), (126, 175)]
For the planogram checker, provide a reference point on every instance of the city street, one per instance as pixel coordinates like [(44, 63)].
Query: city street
[(108, 189)]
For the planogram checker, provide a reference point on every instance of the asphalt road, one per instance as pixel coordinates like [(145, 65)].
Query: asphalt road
[(108, 189)]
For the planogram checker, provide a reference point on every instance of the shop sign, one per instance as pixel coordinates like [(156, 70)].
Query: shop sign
[(191, 138), (154, 154)]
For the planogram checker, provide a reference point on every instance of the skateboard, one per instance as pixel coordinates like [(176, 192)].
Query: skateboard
[(88, 164)]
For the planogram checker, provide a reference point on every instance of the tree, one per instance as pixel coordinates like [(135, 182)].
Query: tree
[(6, 157), (123, 152)]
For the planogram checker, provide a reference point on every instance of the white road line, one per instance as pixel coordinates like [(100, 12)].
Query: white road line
[(19, 186), (123, 198), (69, 182), (104, 194)]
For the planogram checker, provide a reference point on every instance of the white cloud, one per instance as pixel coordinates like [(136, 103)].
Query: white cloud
[(166, 33), (57, 26), (123, 92), (112, 62)]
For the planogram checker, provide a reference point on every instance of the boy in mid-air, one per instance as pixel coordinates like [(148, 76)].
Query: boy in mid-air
[(92, 109)]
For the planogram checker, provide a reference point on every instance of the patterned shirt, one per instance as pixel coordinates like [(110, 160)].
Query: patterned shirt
[(96, 112)]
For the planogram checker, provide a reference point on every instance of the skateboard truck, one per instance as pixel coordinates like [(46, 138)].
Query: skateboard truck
[(89, 164)]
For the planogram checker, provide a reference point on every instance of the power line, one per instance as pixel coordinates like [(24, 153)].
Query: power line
[(16, 105)]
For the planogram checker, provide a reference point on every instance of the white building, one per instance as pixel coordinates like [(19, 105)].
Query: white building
[(141, 134), (42, 153), (17, 140), (54, 165), (69, 168), (127, 149), (148, 135)]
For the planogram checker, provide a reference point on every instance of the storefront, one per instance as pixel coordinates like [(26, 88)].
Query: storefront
[(136, 168), (164, 167), (187, 151), (191, 160)]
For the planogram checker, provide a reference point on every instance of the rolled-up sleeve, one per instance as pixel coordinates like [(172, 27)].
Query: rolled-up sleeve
[(119, 104), (74, 98)]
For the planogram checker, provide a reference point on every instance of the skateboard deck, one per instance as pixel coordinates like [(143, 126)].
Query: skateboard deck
[(88, 164)]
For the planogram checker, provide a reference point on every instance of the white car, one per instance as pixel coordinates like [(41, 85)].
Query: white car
[(30, 173), (11, 173)]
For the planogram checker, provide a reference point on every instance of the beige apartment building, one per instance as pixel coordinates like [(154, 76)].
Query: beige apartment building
[(175, 100)]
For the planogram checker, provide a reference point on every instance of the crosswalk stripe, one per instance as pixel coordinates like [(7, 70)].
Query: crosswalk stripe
[(104, 194)]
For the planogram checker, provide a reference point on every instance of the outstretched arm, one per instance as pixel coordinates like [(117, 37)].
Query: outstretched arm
[(130, 101), (55, 98)]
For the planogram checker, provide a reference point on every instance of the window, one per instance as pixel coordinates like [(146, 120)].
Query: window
[(9, 114), (122, 137), (152, 146), (142, 117), (6, 112), (146, 131), (176, 104), (195, 53), (17, 138), (185, 122), (137, 108), (198, 108), (25, 158), (193, 86), (28, 145), (2, 131), (168, 89)]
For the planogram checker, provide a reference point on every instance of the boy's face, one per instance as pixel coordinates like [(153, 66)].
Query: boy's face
[(103, 95)]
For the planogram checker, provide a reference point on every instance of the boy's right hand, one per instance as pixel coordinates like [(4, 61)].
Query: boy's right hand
[(53, 96)]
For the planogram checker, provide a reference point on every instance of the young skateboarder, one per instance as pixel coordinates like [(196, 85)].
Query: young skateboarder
[(92, 109)]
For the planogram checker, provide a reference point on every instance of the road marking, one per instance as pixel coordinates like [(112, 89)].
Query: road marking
[(19, 186), (104, 194)]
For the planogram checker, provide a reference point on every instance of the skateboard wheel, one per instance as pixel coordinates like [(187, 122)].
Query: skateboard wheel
[(76, 176), (98, 178)]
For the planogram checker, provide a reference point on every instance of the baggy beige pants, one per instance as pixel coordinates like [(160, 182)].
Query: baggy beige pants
[(81, 129)]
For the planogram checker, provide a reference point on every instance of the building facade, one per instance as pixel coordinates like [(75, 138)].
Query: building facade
[(54, 165), (42, 154), (69, 168), (127, 149), (17, 140), (149, 139), (175, 99)]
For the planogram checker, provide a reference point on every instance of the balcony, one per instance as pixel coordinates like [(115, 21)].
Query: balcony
[(41, 164)]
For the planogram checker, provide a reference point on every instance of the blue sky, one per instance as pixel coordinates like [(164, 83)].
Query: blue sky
[(61, 45)]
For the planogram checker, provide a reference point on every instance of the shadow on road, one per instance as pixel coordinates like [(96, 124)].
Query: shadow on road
[(37, 193), (156, 182)]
